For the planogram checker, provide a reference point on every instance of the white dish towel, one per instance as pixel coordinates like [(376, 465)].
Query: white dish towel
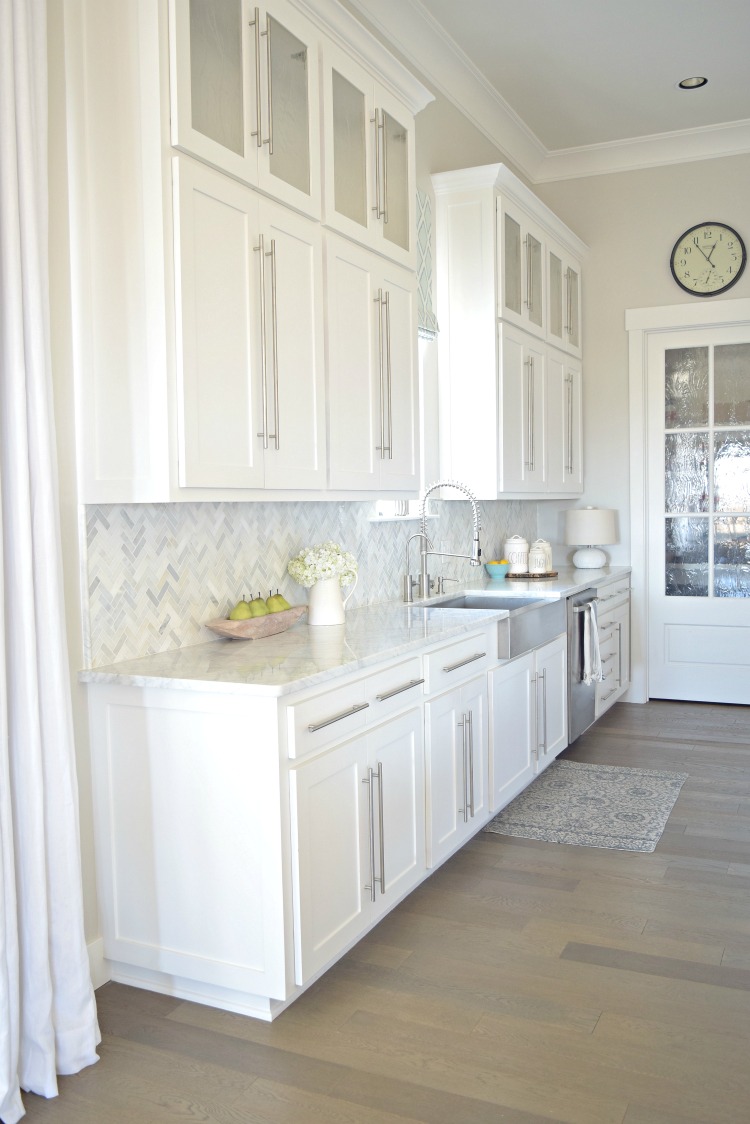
[(592, 660)]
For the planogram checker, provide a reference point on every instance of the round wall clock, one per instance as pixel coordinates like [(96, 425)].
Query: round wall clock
[(708, 259)]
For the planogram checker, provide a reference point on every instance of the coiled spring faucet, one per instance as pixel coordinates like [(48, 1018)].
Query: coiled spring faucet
[(424, 583)]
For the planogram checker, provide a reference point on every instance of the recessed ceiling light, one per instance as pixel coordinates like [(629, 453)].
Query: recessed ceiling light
[(692, 83)]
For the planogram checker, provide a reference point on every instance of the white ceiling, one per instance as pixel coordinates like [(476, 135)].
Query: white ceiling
[(575, 87)]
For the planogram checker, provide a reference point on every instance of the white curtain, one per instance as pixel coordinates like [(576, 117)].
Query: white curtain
[(47, 1011)]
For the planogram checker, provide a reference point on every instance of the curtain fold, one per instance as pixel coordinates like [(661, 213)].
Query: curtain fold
[(47, 1010)]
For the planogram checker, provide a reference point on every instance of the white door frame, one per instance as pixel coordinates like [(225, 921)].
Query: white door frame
[(639, 323)]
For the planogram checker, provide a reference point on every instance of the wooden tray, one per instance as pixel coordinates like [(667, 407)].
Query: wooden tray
[(532, 577), (255, 628)]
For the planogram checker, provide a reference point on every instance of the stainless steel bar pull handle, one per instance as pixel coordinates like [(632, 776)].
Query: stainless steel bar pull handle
[(530, 413), (315, 726), (470, 751), (569, 394), (269, 83), (255, 24), (388, 372), (398, 690), (379, 301), (260, 249), (274, 340), (379, 774), (368, 780), (463, 663), (544, 710), (379, 207), (464, 811)]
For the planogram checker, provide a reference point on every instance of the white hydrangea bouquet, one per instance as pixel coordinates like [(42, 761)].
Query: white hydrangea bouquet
[(326, 560)]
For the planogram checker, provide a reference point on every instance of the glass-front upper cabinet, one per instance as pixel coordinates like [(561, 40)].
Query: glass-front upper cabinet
[(369, 160), (245, 94), (564, 299), (521, 269)]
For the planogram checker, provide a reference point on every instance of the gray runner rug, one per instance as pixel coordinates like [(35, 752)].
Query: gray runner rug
[(593, 806)]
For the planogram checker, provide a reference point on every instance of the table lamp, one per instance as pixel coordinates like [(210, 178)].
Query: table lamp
[(587, 528)]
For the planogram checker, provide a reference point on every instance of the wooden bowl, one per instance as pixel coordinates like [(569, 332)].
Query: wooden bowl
[(255, 628)]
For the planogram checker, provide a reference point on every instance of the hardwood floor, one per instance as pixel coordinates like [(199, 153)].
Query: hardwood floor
[(523, 982)]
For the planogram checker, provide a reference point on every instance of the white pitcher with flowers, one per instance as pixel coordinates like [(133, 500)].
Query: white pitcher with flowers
[(324, 569)]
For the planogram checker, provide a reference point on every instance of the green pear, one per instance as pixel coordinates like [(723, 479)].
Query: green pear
[(258, 607), (278, 603), (241, 611)]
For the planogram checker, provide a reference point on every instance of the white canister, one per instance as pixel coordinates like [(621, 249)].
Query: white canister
[(546, 547), (517, 553), (537, 559)]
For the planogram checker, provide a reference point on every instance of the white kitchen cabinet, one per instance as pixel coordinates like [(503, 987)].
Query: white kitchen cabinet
[(528, 718), (456, 736), (250, 363), (369, 158), (358, 841), (153, 406), (244, 94), (510, 413), (613, 619), (372, 371), (188, 822)]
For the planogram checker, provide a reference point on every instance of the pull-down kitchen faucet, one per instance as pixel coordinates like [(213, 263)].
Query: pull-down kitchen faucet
[(424, 584)]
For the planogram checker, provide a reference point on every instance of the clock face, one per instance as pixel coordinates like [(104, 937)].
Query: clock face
[(708, 259)]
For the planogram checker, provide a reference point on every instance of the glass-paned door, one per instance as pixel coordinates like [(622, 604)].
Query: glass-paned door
[(707, 471), (699, 515)]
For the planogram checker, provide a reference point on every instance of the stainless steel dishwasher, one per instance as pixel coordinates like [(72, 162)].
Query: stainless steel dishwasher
[(581, 695)]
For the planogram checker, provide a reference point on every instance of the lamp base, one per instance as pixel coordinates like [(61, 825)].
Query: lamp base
[(589, 558)]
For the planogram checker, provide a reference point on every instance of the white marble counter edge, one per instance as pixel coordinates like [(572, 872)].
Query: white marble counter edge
[(172, 669)]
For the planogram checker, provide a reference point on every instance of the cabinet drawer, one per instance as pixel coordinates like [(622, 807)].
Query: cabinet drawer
[(455, 662), (612, 594), (393, 689), (325, 718)]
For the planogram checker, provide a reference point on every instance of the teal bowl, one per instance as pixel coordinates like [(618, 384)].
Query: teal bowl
[(496, 569)]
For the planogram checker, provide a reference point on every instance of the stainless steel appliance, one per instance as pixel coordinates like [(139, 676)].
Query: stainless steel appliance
[(581, 695)]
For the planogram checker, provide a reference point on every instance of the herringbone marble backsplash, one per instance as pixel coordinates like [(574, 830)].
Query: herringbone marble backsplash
[(156, 572)]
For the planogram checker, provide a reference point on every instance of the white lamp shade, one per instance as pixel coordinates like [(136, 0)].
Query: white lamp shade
[(590, 527)]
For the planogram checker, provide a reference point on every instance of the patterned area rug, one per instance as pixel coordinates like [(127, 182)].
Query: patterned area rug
[(593, 806)]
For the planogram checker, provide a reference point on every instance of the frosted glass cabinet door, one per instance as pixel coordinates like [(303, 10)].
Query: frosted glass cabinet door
[(244, 94), (522, 268), (368, 138)]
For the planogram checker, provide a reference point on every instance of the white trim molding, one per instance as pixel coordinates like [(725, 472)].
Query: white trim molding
[(425, 45), (640, 323)]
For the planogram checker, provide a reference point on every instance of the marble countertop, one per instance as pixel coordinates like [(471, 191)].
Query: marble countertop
[(305, 657)]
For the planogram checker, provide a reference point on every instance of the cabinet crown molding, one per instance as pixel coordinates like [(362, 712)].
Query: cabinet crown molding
[(499, 177), (354, 37)]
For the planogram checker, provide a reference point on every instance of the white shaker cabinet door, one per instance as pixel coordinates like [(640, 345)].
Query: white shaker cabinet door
[(552, 700), (293, 391), (564, 423), (513, 729), (373, 381), (330, 855), (218, 307), (456, 754), (524, 427)]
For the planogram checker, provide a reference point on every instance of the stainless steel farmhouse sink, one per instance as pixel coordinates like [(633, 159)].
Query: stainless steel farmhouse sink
[(531, 621)]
